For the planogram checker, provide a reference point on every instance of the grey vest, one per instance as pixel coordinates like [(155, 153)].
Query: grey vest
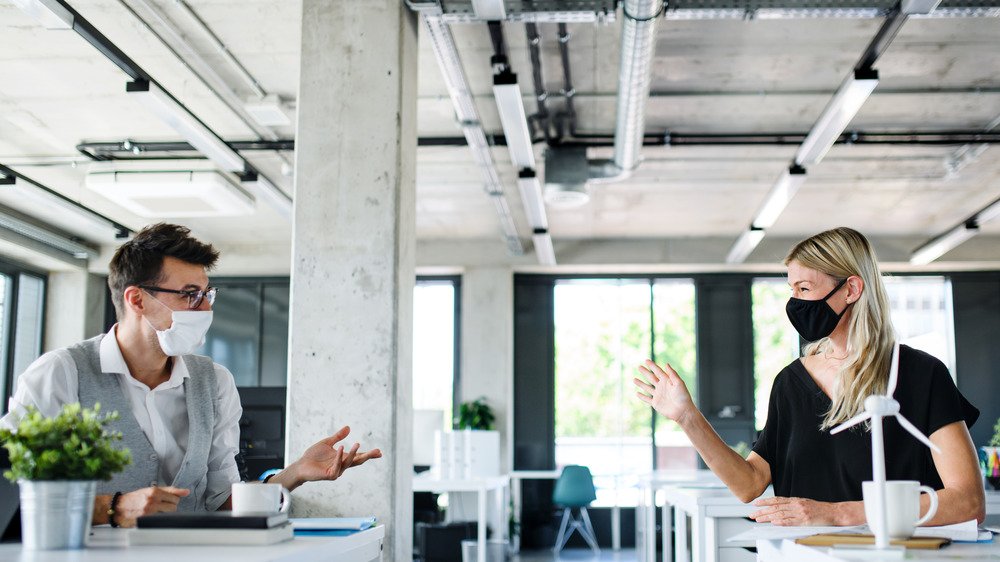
[(200, 390)]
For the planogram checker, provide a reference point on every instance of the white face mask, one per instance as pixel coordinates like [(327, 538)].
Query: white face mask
[(186, 333)]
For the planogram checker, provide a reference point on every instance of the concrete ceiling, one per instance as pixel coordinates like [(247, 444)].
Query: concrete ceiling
[(713, 76)]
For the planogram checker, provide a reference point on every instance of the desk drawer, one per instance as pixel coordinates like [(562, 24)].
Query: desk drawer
[(736, 554), (731, 526)]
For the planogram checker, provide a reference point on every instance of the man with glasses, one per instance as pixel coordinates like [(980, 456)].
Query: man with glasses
[(179, 412)]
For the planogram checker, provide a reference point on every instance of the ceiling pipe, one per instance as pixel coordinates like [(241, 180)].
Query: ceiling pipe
[(635, 69)]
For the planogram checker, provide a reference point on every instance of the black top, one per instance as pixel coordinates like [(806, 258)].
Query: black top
[(809, 463)]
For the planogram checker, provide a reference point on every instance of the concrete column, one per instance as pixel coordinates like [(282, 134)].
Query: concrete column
[(74, 308), (488, 348), (488, 364), (353, 256)]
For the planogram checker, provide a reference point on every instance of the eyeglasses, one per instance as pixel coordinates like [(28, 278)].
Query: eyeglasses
[(194, 297)]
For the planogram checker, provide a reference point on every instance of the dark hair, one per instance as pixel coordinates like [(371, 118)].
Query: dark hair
[(140, 260)]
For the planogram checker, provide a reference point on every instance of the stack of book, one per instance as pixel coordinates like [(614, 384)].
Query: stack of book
[(217, 527)]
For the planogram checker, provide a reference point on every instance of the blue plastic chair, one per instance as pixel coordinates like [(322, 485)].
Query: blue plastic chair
[(575, 490)]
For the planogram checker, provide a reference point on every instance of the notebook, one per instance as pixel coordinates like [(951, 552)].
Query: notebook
[(925, 543), (333, 523), (211, 520), (255, 537)]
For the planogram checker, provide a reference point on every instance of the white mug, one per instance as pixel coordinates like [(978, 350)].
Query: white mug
[(251, 497), (902, 506)]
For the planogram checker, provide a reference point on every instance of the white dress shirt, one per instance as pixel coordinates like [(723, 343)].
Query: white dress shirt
[(51, 382)]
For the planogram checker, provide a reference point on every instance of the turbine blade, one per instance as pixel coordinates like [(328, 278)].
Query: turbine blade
[(916, 433), (851, 422)]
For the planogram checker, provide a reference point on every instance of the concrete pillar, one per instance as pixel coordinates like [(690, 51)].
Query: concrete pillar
[(74, 308), (353, 256), (488, 364), (488, 348)]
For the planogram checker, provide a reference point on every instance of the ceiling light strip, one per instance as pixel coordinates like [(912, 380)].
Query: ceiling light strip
[(46, 237), (744, 245), (841, 110), (780, 196), (950, 240), (47, 197)]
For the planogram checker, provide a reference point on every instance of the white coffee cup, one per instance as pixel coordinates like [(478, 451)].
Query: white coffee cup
[(902, 506), (251, 497)]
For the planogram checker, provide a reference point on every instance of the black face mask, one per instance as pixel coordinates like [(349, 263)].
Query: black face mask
[(814, 320)]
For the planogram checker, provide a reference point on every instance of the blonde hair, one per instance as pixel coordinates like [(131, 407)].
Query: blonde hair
[(842, 253)]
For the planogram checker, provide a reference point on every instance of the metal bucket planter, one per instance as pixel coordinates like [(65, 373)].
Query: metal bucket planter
[(56, 514)]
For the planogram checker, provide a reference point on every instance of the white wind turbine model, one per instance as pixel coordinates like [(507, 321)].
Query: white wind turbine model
[(877, 407)]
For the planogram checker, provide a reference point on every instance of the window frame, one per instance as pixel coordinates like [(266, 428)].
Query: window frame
[(14, 270), (456, 282)]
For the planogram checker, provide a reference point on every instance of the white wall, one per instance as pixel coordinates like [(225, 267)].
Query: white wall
[(74, 308)]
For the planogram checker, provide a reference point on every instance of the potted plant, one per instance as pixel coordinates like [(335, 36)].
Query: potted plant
[(475, 415), (989, 458), (57, 462)]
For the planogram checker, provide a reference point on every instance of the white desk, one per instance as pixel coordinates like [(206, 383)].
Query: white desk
[(788, 551), (645, 516), (482, 486), (716, 514), (516, 492), (111, 545)]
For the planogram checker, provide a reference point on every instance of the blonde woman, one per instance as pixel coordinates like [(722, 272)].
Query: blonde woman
[(839, 304)]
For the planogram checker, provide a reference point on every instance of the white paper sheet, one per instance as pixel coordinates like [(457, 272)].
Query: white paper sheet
[(773, 532), (967, 531)]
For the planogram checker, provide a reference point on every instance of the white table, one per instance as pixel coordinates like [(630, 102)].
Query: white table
[(482, 486), (516, 491), (788, 551), (645, 516), (716, 514), (111, 545)]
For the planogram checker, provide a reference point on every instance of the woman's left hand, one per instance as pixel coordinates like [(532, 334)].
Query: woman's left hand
[(795, 511)]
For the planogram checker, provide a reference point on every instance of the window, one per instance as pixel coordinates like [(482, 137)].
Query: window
[(604, 328), (923, 316), (674, 343), (775, 342), (435, 337), (22, 313), (249, 333)]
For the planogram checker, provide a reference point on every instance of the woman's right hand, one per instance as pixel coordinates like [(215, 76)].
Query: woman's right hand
[(664, 390)]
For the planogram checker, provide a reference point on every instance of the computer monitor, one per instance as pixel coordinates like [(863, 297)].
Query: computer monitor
[(10, 500), (425, 423), (262, 429)]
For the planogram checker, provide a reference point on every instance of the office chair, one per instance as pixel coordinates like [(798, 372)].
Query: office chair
[(575, 489)]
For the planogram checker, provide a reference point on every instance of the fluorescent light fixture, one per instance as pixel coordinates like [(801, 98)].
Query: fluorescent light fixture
[(845, 104), (489, 9), (744, 245), (186, 124), (50, 13), (513, 120), (268, 111), (543, 247), (918, 7), (779, 196), (944, 243), (7, 180), (531, 196), (46, 238), (989, 213), (270, 193), (171, 194)]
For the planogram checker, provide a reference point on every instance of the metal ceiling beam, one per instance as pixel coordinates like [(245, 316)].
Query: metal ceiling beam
[(140, 150)]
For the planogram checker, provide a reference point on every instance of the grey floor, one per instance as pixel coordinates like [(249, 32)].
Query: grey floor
[(576, 554)]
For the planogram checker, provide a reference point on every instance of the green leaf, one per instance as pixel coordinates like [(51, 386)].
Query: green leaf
[(73, 445)]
